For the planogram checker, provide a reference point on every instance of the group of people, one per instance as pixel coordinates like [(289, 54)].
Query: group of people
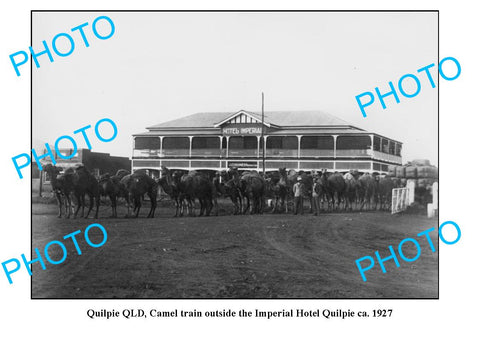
[(298, 194)]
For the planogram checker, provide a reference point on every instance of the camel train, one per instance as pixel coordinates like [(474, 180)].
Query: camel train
[(247, 190), (81, 182)]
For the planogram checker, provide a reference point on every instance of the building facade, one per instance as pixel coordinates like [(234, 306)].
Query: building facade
[(98, 163), (305, 140)]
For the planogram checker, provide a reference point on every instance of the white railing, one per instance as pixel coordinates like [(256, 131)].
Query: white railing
[(399, 200), (403, 197), (387, 157), (146, 153)]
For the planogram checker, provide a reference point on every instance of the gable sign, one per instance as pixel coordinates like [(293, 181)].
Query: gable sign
[(242, 130), (241, 117)]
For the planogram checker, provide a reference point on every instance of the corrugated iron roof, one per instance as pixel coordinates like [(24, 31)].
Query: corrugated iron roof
[(278, 118), (319, 131), (185, 132), (270, 132)]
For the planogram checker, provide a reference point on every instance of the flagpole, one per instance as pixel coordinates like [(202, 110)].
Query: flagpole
[(262, 139)]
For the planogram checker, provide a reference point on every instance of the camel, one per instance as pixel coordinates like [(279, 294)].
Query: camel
[(385, 187), (352, 188), (336, 186), (323, 189), (85, 183), (112, 187), (188, 187), (172, 186), (137, 185), (198, 185), (368, 191), (332, 187), (253, 189), (61, 187), (278, 190), (217, 190), (231, 187), (285, 187)]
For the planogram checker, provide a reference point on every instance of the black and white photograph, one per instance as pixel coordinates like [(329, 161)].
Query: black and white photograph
[(242, 169), (236, 154)]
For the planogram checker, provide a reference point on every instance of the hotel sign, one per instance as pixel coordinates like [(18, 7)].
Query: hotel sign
[(240, 164), (242, 130)]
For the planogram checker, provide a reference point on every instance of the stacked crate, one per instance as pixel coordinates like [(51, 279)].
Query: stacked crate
[(419, 171)]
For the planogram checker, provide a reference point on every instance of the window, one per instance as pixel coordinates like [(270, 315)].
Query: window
[(316, 143), (353, 142), (290, 142), (176, 143), (391, 149), (285, 142), (235, 143), (376, 143), (384, 145), (63, 153), (246, 143), (398, 150), (309, 142), (147, 143), (205, 143), (274, 142), (250, 142)]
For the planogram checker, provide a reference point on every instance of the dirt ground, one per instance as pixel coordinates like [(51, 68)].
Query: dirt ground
[(261, 256)]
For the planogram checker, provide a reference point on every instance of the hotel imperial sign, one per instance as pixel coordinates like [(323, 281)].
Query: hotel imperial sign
[(242, 130)]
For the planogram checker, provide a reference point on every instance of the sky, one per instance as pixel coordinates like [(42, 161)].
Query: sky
[(161, 66)]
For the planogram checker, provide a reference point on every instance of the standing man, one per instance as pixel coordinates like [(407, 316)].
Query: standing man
[(298, 197), (316, 196)]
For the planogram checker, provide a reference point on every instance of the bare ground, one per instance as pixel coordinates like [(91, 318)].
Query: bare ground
[(261, 256)]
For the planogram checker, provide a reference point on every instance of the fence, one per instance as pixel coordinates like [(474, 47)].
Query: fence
[(403, 197)]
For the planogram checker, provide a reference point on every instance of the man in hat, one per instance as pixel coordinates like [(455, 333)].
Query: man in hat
[(298, 189), (316, 195)]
